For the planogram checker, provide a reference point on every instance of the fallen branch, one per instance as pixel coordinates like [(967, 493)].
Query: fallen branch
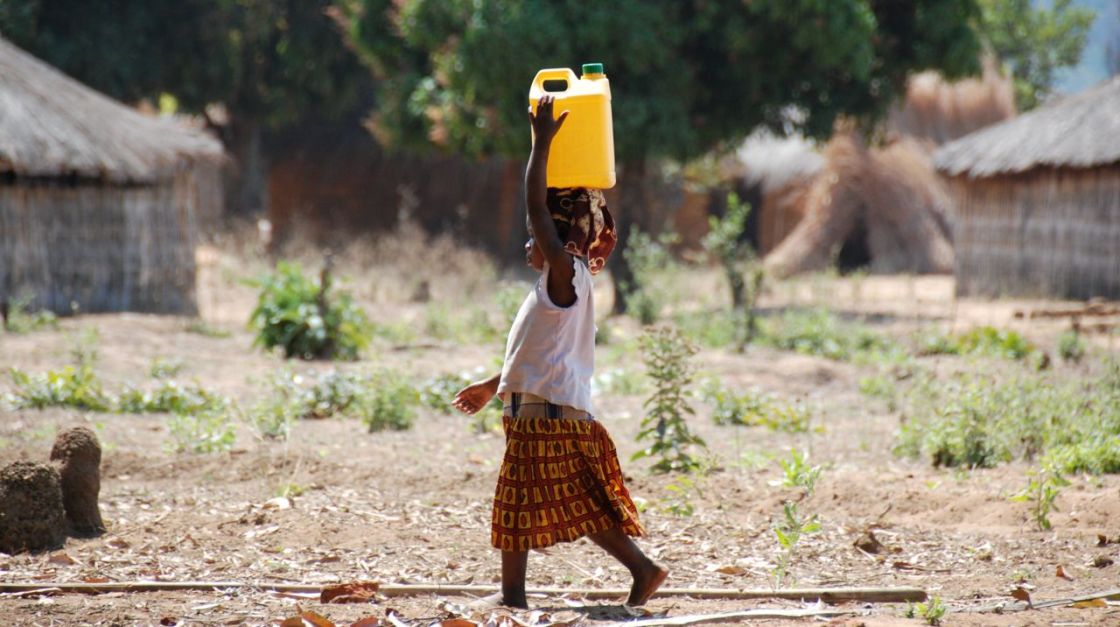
[(1019, 606), (726, 617), (827, 595)]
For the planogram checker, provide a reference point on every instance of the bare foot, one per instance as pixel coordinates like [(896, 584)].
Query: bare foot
[(646, 582), (496, 600)]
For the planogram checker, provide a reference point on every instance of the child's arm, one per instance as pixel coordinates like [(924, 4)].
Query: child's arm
[(474, 397), (560, 269)]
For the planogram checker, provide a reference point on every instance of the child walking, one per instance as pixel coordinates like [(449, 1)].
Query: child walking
[(560, 478)]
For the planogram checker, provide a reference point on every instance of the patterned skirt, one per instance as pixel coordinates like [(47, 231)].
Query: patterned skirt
[(560, 478)]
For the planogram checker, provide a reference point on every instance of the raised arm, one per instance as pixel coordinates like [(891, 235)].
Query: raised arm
[(560, 271)]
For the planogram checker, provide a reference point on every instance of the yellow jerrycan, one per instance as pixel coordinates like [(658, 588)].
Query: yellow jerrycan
[(582, 153)]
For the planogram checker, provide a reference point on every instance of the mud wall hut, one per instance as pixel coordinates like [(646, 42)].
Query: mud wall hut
[(99, 204), (1038, 201)]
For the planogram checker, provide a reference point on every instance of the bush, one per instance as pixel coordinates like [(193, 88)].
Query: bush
[(649, 260), (983, 341), (1070, 346), (21, 319), (206, 432), (755, 408), (76, 387), (979, 422), (170, 397), (303, 316), (819, 332), (388, 403)]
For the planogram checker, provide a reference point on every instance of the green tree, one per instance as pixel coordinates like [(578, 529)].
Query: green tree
[(267, 62), (688, 76), (1035, 42)]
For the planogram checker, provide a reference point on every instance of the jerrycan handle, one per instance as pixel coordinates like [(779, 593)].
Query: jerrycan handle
[(554, 74)]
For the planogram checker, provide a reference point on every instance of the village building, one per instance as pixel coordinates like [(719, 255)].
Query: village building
[(100, 205), (1037, 201)]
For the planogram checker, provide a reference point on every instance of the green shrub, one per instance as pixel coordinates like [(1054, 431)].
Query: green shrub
[(170, 397), (1070, 346), (666, 353), (305, 318), (22, 319), (983, 341), (979, 422), (205, 432), (76, 387), (819, 332), (438, 392), (165, 368), (649, 260), (725, 242), (388, 403), (713, 329), (754, 408), (333, 394)]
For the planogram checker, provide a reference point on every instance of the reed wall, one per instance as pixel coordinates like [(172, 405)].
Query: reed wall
[(100, 248), (1046, 233)]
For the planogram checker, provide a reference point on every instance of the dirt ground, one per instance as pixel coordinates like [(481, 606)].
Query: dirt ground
[(414, 506)]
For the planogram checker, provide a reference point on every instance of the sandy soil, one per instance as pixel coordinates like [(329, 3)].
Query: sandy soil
[(413, 506)]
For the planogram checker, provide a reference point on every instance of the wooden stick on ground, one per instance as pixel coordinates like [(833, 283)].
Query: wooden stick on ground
[(1018, 606), (828, 595)]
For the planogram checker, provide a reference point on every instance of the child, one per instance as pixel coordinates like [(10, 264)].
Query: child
[(560, 479)]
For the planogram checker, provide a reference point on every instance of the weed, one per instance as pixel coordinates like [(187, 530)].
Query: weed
[(333, 394), (165, 368), (437, 393), (980, 422), (170, 397), (205, 432), (666, 353), (21, 319), (302, 316), (388, 403), (726, 243), (983, 341), (789, 531), (76, 387), (931, 611), (819, 332), (713, 329), (797, 473), (289, 490), (754, 408), (1044, 486), (680, 503), (1070, 345), (649, 260)]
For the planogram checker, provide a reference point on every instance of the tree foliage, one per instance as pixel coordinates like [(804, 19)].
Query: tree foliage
[(1035, 42), (269, 60), (687, 75)]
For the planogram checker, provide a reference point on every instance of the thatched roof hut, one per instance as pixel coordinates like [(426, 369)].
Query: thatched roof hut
[(99, 204), (1038, 200)]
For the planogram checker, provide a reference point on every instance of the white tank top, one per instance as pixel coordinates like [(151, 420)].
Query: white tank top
[(551, 349)]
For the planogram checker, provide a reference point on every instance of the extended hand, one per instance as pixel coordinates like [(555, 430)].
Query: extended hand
[(474, 397), (545, 126)]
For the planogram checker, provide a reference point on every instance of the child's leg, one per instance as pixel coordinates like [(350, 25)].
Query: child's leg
[(514, 564), (648, 575)]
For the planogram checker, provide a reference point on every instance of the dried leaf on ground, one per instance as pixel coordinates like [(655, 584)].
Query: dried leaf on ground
[(868, 543), (1021, 595), (1061, 573), (354, 592), (732, 570), (367, 621), (1090, 604), (304, 618), (61, 557)]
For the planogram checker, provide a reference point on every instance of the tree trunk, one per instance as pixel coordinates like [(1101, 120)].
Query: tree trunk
[(631, 211), (246, 182)]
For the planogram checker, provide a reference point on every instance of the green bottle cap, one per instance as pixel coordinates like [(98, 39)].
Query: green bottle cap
[(592, 68)]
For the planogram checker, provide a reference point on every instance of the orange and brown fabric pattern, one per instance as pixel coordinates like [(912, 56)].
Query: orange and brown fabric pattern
[(560, 478)]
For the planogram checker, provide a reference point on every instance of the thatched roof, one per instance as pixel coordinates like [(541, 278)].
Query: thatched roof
[(52, 125), (1080, 131)]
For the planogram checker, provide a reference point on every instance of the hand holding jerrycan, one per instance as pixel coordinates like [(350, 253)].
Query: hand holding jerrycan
[(582, 153)]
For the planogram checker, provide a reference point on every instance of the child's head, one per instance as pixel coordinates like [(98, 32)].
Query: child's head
[(583, 223)]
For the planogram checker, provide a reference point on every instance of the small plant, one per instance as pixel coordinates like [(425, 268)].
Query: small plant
[(302, 316), (754, 408), (984, 341), (21, 319), (666, 354), (205, 432), (332, 395), (170, 397), (680, 504), (165, 368), (1070, 346), (437, 393), (388, 403), (76, 387), (1044, 486), (931, 611), (289, 490), (797, 473), (819, 332), (726, 243), (789, 531), (649, 259)]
